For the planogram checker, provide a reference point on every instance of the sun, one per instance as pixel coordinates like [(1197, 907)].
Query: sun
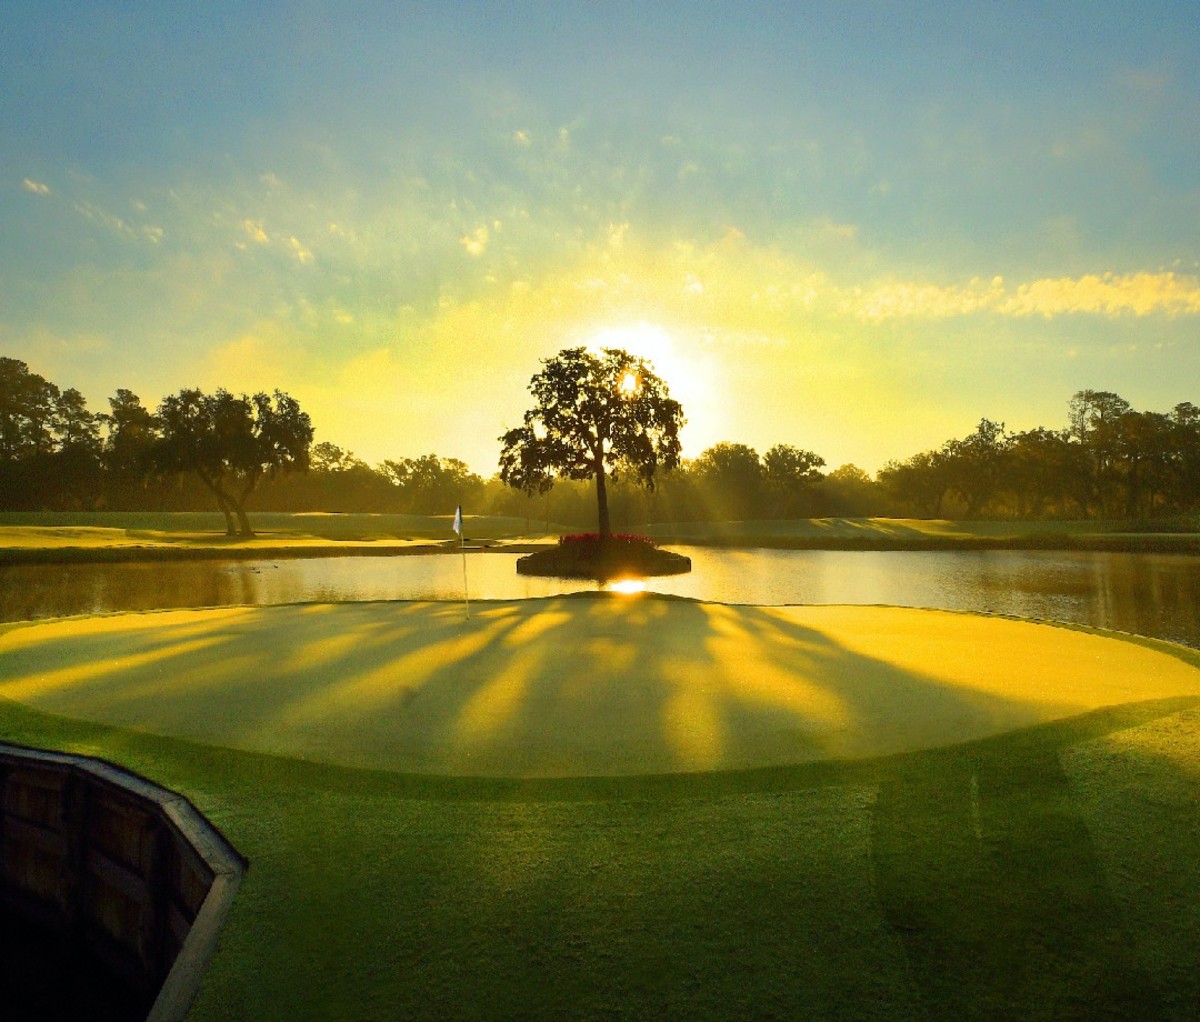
[(653, 343), (682, 361)]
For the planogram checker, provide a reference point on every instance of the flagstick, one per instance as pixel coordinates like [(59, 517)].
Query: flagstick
[(462, 545)]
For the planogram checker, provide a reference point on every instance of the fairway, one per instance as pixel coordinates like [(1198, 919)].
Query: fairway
[(574, 686)]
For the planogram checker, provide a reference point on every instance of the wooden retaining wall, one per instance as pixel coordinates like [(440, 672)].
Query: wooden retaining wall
[(122, 872)]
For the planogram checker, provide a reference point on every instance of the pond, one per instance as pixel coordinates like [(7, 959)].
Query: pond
[(1149, 594)]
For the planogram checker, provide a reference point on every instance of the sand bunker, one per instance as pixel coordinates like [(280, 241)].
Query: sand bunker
[(574, 686)]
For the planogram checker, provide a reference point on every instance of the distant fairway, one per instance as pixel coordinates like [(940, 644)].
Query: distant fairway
[(710, 825), (84, 536)]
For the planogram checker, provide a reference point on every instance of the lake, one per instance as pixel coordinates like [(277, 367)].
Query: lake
[(1150, 594)]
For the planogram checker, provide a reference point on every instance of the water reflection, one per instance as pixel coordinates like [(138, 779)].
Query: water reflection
[(627, 586), (1150, 594)]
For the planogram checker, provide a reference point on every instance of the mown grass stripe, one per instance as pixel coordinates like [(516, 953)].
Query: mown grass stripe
[(1018, 925)]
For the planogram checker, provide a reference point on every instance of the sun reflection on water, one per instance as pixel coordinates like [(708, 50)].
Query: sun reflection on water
[(627, 586)]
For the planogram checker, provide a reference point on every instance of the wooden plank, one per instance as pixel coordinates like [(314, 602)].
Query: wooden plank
[(21, 832), (134, 859), (179, 991)]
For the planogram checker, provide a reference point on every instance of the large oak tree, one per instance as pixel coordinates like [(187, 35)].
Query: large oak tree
[(231, 442), (595, 416)]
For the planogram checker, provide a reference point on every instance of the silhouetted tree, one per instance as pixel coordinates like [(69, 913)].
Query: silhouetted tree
[(596, 416), (730, 482), (27, 406), (791, 476), (1094, 423), (230, 443), (1043, 470), (430, 484), (131, 431), (848, 490), (1185, 459), (974, 464), (918, 483)]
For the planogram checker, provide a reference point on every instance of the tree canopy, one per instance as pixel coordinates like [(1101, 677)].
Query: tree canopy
[(230, 443), (596, 416)]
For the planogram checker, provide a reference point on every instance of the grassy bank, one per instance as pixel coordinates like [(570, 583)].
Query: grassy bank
[(1046, 875), (935, 534), (63, 537), (1046, 872)]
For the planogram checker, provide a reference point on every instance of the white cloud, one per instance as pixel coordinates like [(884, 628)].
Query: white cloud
[(254, 231), (302, 253), (37, 187), (1108, 294), (476, 243), (116, 224)]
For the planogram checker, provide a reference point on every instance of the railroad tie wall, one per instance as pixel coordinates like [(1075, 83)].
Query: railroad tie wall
[(118, 868)]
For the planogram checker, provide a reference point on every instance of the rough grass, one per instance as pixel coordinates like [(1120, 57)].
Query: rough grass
[(955, 884)]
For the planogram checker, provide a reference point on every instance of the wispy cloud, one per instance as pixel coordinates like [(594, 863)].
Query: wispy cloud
[(1107, 294), (475, 243), (118, 225), (37, 187), (302, 253), (254, 231)]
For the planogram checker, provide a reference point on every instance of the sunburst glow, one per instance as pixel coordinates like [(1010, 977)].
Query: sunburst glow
[(683, 362), (627, 586)]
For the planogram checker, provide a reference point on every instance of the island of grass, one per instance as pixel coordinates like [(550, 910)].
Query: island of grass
[(593, 556), (597, 807)]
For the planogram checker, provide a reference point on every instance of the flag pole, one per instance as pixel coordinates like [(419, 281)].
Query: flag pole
[(462, 546)]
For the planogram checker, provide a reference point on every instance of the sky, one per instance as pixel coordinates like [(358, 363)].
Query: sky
[(857, 228)]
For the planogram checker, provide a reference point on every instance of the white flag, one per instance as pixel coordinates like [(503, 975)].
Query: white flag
[(458, 519)]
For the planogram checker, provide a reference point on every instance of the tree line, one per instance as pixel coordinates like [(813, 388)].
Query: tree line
[(1109, 460), (195, 449)]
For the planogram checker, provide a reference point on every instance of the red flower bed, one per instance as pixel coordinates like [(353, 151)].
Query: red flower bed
[(593, 538)]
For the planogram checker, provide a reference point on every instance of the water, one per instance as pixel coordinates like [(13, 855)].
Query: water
[(1150, 594)]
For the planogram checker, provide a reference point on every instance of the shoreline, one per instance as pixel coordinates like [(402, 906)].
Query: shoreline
[(1149, 543)]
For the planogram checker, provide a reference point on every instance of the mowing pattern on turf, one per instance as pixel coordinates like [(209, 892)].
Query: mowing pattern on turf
[(567, 687)]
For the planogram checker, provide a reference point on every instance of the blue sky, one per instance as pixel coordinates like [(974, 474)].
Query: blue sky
[(855, 228)]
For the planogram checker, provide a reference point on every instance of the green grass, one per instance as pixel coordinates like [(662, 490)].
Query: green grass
[(921, 533), (90, 536), (1049, 873)]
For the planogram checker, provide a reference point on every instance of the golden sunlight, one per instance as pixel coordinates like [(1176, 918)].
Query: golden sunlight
[(656, 346), (629, 384), (682, 363), (626, 586)]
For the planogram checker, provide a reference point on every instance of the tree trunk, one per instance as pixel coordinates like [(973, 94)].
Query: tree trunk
[(244, 529), (223, 501), (227, 510), (602, 501)]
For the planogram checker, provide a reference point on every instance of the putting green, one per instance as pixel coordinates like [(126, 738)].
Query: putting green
[(571, 686)]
